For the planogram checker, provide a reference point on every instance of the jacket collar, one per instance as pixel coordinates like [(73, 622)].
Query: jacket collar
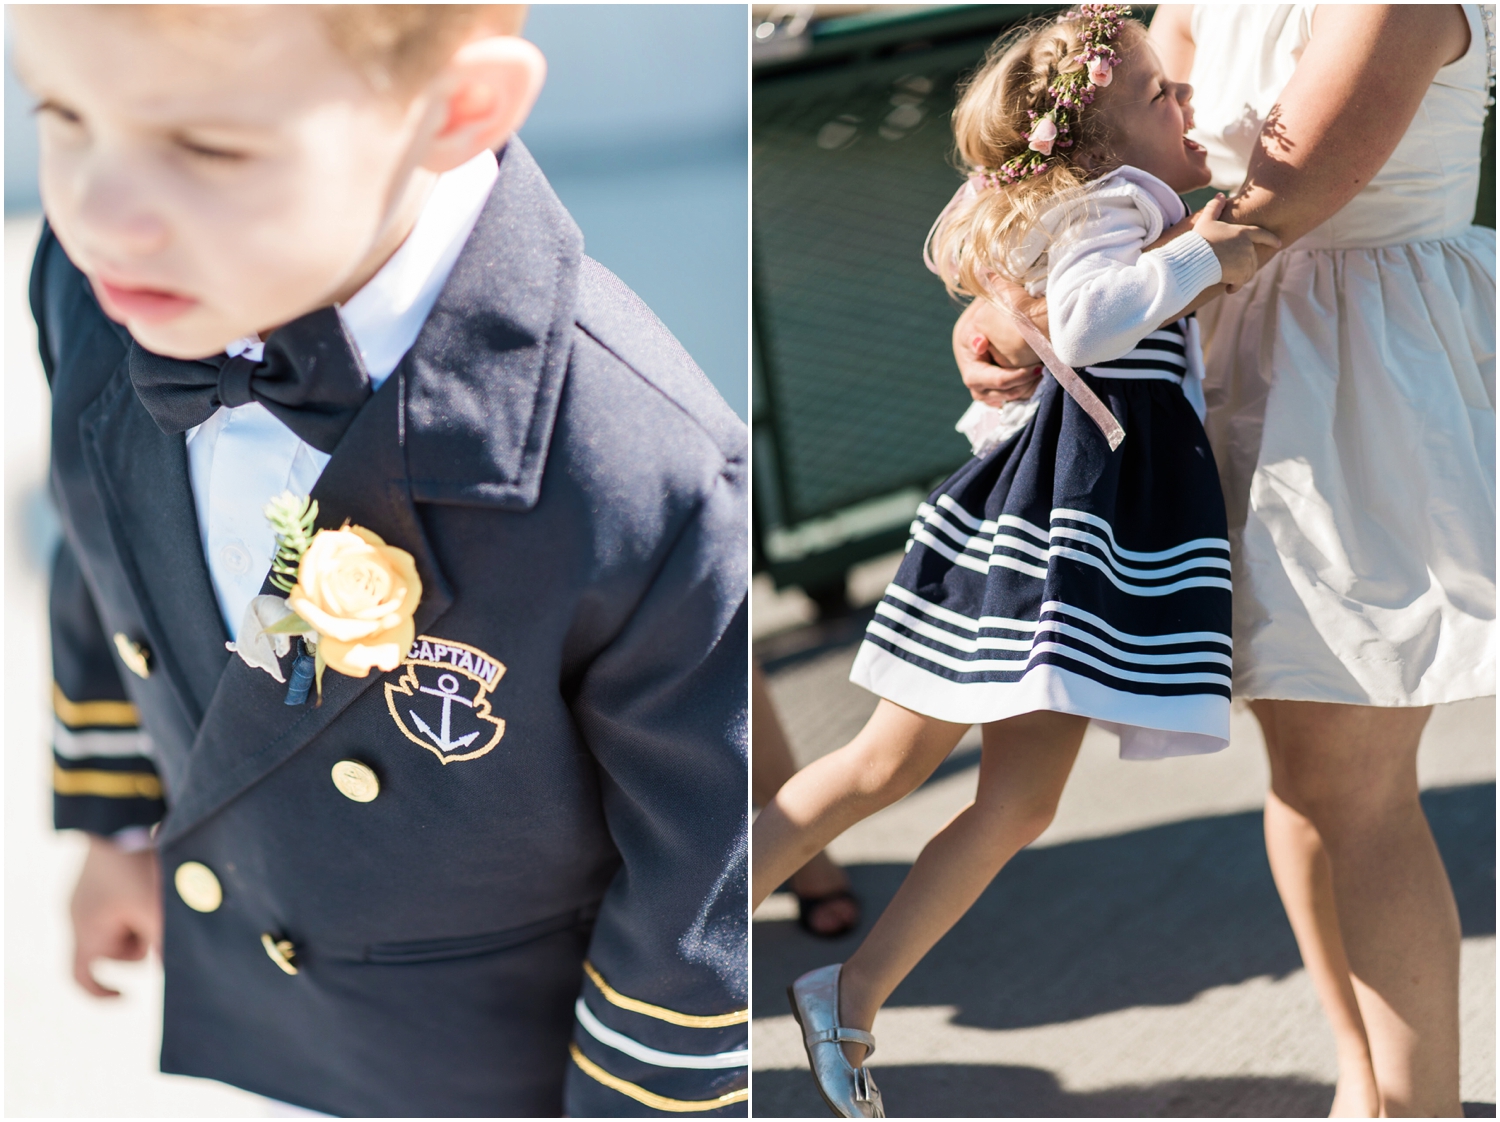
[(466, 418), (485, 375)]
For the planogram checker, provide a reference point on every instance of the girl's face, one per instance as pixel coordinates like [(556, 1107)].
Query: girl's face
[(1149, 115)]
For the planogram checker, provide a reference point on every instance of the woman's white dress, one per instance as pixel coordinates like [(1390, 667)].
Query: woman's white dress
[(1351, 397)]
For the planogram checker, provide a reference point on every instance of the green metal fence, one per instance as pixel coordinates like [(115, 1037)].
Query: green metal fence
[(855, 389)]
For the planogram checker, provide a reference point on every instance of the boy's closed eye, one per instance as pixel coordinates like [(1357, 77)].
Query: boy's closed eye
[(209, 150), (53, 108)]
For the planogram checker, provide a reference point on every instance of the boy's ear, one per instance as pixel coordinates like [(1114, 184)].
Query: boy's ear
[(483, 96)]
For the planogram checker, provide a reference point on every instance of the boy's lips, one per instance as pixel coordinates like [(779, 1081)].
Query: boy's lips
[(153, 305), (1192, 145)]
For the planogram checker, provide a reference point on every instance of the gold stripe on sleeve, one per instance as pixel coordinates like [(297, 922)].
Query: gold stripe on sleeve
[(651, 1098), (671, 1016), (84, 714), (109, 784)]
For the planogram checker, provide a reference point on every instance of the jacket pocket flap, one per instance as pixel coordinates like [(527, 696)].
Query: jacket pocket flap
[(463, 946)]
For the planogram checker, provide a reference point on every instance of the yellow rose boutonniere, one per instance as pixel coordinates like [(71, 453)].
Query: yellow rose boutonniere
[(350, 597), (359, 595)]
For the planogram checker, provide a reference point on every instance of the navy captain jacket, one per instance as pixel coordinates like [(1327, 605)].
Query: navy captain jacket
[(543, 907)]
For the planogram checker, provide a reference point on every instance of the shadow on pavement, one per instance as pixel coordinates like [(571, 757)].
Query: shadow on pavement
[(978, 1091), (1148, 918)]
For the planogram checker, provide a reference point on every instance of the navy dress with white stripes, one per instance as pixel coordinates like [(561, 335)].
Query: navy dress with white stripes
[(1054, 574)]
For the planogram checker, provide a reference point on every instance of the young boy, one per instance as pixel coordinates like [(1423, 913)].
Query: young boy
[(505, 876)]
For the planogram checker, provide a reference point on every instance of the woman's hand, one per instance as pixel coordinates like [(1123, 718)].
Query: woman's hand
[(1233, 245), (995, 362)]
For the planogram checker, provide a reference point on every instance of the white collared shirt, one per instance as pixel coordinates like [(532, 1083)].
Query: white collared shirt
[(240, 459)]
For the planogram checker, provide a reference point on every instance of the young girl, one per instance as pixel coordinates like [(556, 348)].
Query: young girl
[(1077, 568)]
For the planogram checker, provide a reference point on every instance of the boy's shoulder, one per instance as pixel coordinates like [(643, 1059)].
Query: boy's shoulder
[(619, 334), (537, 360)]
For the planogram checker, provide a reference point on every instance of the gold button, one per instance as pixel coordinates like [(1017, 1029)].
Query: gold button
[(281, 951), (355, 781), (136, 657), (198, 886)]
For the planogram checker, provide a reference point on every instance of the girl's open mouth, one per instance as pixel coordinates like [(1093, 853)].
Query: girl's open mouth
[(1193, 145)]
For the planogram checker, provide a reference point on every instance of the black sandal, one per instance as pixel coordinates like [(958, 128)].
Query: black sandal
[(807, 905)]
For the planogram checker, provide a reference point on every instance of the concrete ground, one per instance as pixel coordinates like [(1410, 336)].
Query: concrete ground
[(1135, 960)]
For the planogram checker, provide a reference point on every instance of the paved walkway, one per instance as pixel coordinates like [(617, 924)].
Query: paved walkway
[(1135, 960)]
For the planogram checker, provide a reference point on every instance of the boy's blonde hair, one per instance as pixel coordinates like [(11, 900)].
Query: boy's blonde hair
[(979, 236), (396, 47)]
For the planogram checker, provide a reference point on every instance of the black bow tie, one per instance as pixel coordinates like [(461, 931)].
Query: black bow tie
[(311, 379)]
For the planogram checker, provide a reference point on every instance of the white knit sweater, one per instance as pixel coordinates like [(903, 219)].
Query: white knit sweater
[(1104, 292)]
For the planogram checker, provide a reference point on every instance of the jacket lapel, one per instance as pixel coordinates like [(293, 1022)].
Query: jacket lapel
[(486, 373), (248, 729), (141, 476), (466, 418)]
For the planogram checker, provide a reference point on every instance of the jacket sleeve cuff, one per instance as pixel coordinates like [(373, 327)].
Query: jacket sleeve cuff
[(103, 780), (631, 1057), (1191, 264)]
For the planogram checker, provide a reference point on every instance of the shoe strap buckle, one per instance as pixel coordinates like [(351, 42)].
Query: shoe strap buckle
[(838, 1033)]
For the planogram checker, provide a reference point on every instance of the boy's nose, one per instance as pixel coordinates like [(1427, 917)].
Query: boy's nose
[(112, 218)]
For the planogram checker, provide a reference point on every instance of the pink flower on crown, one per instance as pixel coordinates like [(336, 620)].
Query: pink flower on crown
[(1043, 136), (1101, 71)]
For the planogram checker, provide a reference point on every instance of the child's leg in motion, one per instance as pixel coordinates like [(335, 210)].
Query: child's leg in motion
[(1026, 762), (895, 751)]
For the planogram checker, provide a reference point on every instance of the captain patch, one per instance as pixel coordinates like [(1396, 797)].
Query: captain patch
[(441, 700)]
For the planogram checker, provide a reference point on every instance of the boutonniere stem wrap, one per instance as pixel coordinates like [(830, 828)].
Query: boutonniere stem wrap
[(350, 601)]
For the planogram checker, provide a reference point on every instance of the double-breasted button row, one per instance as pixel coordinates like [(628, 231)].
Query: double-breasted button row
[(200, 890)]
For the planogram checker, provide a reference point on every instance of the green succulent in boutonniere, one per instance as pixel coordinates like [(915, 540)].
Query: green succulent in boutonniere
[(350, 597)]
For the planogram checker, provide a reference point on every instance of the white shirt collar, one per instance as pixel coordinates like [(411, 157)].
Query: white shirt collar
[(385, 316)]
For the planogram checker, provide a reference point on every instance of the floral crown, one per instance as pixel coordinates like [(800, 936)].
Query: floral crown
[(1067, 94)]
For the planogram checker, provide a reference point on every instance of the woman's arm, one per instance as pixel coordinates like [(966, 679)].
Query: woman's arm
[(1172, 36), (1348, 104), (1350, 101)]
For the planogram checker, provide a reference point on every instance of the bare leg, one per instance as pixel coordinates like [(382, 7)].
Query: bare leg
[(771, 766), (892, 754), (1026, 763), (1305, 881), (1350, 773)]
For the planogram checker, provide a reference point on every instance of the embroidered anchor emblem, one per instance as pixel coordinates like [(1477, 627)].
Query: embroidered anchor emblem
[(465, 676), (448, 691)]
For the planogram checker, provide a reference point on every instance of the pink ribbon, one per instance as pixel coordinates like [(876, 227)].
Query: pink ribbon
[(1066, 376)]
